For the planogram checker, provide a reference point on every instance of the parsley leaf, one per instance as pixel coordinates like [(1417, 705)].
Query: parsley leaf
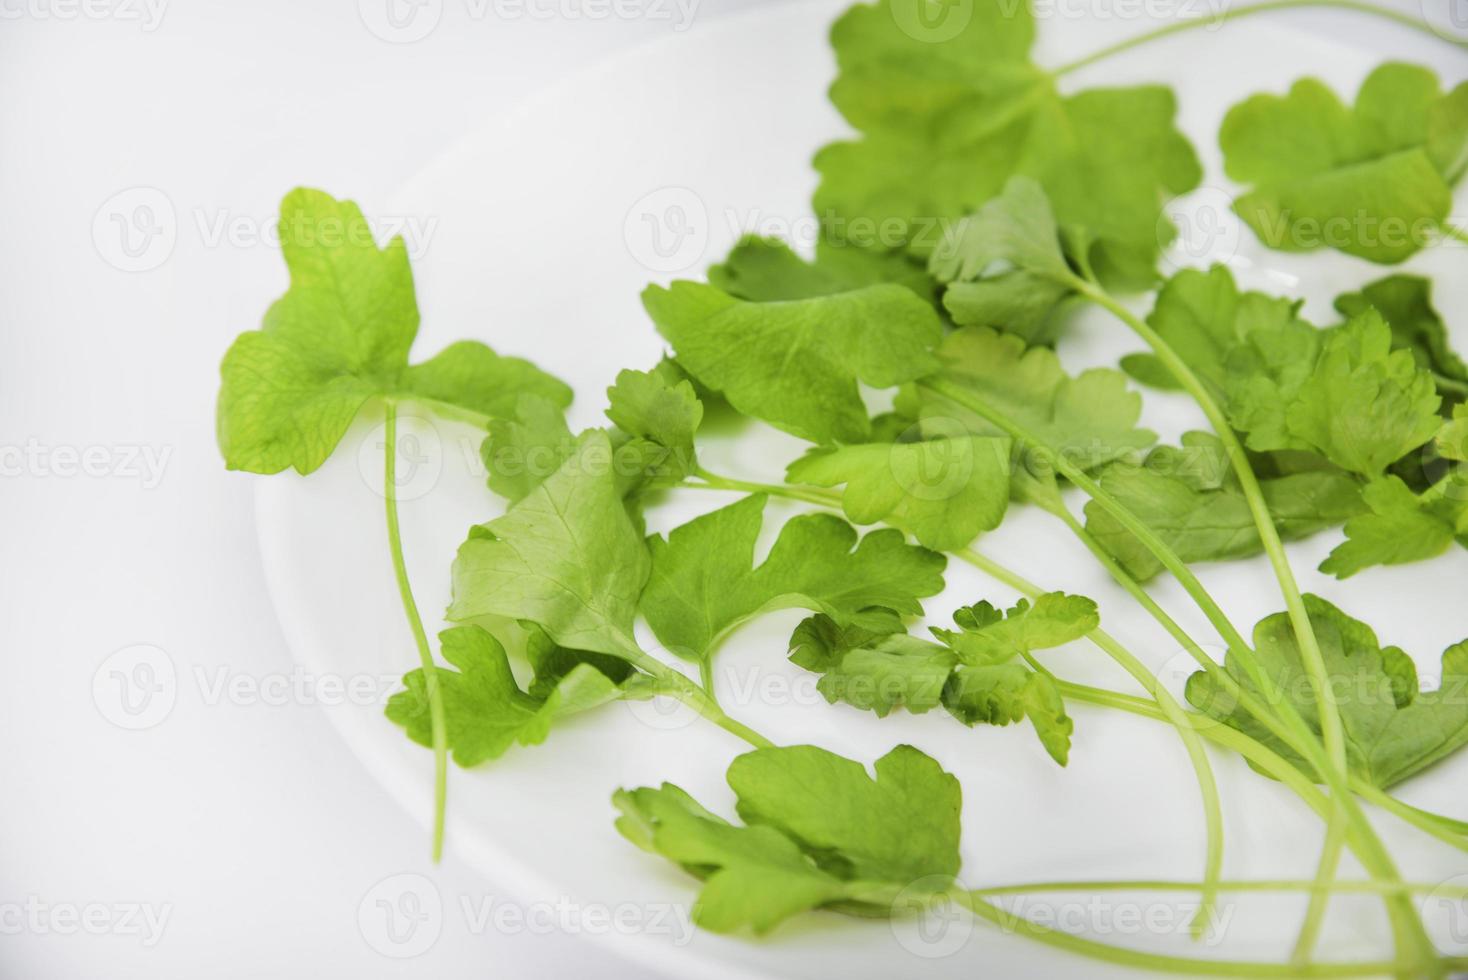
[(525, 447), (704, 582), (943, 491), (766, 269), (1401, 526), (663, 416), (1406, 304), (487, 712), (1004, 266), (1191, 497), (1393, 730), (946, 122), (819, 831), (1091, 418), (1374, 180), (796, 363), (976, 672), (1206, 319), (339, 337), (567, 557)]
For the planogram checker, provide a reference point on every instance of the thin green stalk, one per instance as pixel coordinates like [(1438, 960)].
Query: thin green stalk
[(809, 495), (1377, 859), (1331, 729), (1197, 755), (1450, 832), (1445, 383), (1228, 885), (675, 685), (1247, 699), (437, 719), (1325, 879), (1178, 964), (1204, 23)]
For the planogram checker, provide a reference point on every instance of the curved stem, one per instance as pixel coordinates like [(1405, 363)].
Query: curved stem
[(1203, 23), (1379, 864), (1197, 755), (1450, 832), (1330, 859), (675, 685), (1228, 885), (437, 720), (1331, 729), (1178, 964), (809, 495)]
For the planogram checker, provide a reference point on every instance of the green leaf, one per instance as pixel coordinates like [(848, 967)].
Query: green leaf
[(665, 415), (567, 557), (1206, 319), (1401, 526), (871, 669), (704, 582), (1393, 731), (975, 673), (1364, 406), (1090, 418), (1372, 181), (1452, 439), (943, 491), (755, 877), (1192, 499), (986, 635), (526, 446), (339, 337), (946, 119), (1406, 304), (485, 709), (900, 827), (763, 270), (1001, 694), (796, 363), (821, 831)]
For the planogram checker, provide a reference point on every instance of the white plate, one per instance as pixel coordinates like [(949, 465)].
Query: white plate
[(540, 247)]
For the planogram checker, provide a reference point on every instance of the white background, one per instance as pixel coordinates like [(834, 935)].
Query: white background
[(249, 824)]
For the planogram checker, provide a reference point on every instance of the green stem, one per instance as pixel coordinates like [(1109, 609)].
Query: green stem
[(1331, 729), (1451, 832), (1228, 885), (1237, 13), (1405, 922), (1325, 879), (675, 685), (1197, 754), (1445, 383), (1179, 964), (437, 719), (809, 495), (1328, 713), (1246, 699)]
